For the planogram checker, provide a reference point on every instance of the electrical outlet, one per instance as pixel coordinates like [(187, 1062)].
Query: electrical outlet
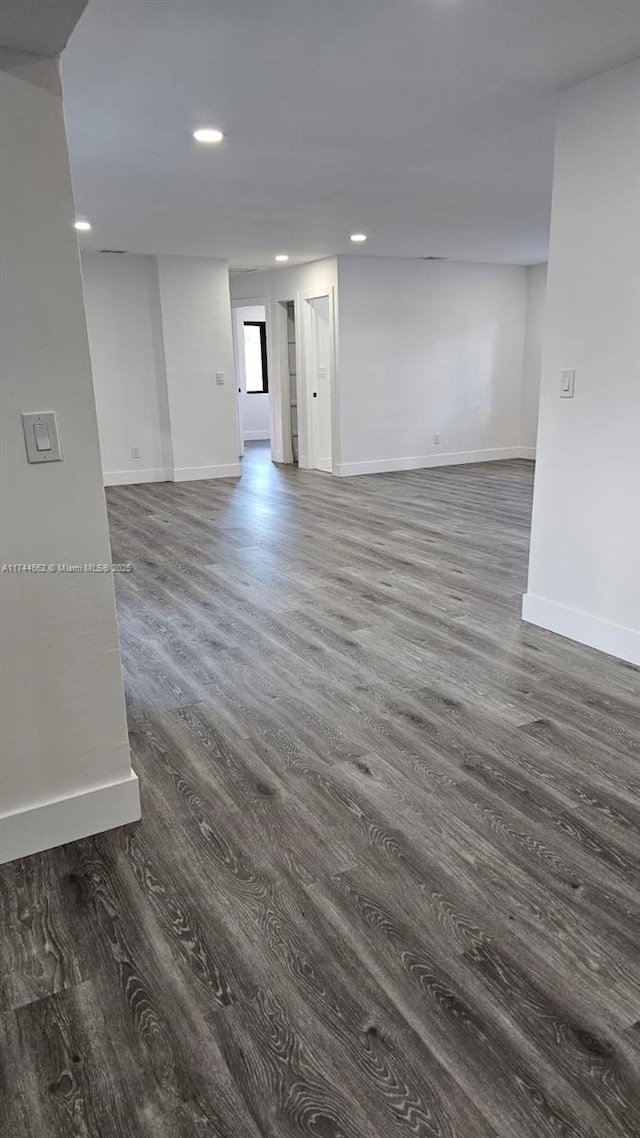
[(135, 452), (436, 439)]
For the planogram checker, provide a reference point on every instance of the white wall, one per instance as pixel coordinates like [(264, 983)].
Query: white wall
[(254, 408), (159, 331), (532, 370), (425, 348), (123, 321), (196, 331), (584, 578), (65, 769), (428, 348)]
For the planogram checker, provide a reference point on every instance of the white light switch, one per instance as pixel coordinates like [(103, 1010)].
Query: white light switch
[(41, 437), (220, 378), (567, 383)]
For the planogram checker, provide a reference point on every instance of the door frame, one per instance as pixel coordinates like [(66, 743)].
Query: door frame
[(281, 344), (306, 386)]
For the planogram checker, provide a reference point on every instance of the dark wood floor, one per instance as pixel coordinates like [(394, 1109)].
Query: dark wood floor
[(388, 877)]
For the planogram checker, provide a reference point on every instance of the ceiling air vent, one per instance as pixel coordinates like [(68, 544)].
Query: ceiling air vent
[(120, 252), (434, 258)]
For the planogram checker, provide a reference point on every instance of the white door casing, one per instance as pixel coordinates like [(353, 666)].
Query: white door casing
[(317, 390)]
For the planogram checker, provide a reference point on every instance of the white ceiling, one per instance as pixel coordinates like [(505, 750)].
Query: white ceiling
[(41, 27), (427, 124)]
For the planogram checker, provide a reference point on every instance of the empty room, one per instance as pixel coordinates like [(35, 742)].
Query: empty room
[(320, 633)]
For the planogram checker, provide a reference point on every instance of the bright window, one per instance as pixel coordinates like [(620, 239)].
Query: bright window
[(255, 357)]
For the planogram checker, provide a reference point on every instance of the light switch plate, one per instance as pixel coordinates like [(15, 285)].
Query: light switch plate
[(567, 383), (220, 378), (36, 428)]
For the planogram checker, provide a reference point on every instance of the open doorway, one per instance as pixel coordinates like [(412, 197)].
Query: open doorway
[(285, 360), (252, 373)]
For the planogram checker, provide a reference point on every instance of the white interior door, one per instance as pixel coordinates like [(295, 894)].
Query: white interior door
[(320, 363)]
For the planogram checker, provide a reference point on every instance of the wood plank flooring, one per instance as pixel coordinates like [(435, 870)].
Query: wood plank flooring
[(387, 882)]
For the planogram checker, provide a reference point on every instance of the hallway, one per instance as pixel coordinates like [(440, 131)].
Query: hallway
[(387, 877)]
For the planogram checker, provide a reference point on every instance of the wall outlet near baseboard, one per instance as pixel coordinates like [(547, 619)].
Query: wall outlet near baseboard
[(135, 452), (436, 438)]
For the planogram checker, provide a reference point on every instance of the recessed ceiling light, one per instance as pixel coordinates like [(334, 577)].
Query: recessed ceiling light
[(208, 134), (82, 225), (282, 257), (358, 238)]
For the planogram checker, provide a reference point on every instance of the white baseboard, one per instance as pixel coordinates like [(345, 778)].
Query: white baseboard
[(614, 639), (344, 470), (192, 473), (165, 474), (48, 824), (455, 458), (256, 436), (133, 477)]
